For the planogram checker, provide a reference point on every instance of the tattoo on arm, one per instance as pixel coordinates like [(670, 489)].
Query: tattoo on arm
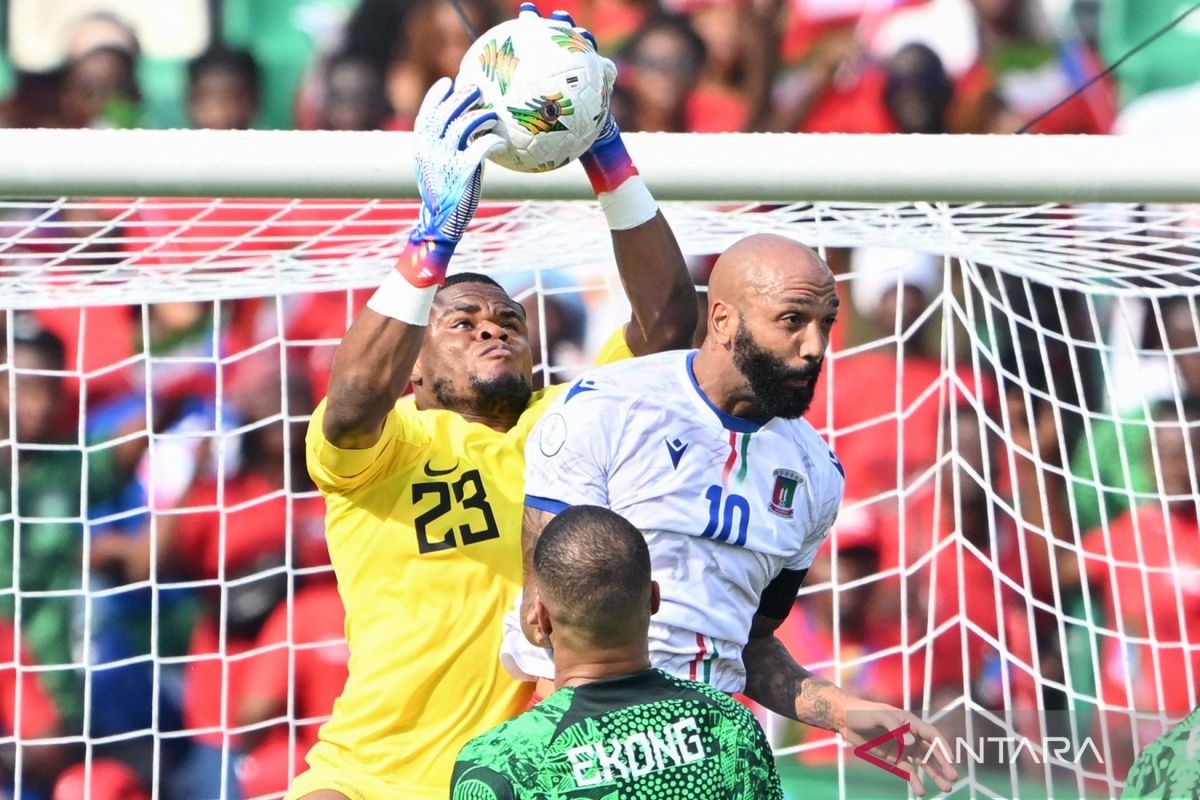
[(774, 679), (533, 522)]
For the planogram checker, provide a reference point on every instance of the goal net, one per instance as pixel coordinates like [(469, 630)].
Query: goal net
[(1012, 389)]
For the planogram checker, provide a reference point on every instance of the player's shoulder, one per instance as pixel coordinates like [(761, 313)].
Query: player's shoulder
[(818, 451), (524, 733), (642, 377)]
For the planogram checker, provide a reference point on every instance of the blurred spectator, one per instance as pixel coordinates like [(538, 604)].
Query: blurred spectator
[(311, 635), (432, 45), (1024, 69), (33, 102), (836, 91), (47, 484), (353, 98), (223, 90), (290, 40), (35, 718), (1147, 565), (1169, 63), (978, 559), (234, 528), (741, 42), (917, 91), (99, 86), (102, 779), (660, 69), (866, 393), (1117, 454)]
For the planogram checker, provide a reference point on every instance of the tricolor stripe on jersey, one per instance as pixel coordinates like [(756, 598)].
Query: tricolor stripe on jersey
[(737, 449)]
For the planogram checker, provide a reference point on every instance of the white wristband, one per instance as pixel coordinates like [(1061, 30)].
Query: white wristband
[(399, 299), (629, 205)]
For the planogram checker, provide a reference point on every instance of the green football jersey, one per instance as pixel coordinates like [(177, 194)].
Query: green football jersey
[(647, 735), (1170, 765)]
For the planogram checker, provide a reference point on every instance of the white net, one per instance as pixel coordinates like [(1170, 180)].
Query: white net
[(1009, 391)]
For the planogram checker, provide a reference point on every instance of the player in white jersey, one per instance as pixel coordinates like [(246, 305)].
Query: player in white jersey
[(706, 452)]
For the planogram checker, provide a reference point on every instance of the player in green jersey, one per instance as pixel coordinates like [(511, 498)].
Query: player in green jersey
[(1170, 765), (615, 728)]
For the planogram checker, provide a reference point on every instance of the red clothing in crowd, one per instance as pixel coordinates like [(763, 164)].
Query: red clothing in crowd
[(320, 672), (254, 512), (1140, 589), (712, 110), (864, 385), (39, 715), (855, 108), (972, 596)]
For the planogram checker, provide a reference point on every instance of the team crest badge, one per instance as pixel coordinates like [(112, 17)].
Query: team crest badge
[(783, 496)]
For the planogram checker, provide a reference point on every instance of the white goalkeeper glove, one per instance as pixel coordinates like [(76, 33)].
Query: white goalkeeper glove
[(453, 138)]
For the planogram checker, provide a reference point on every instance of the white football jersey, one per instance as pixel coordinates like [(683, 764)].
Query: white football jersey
[(725, 502)]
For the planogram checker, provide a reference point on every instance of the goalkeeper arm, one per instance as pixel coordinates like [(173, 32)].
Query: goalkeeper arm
[(373, 363), (648, 257)]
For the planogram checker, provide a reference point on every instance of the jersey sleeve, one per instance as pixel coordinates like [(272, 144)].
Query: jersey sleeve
[(335, 469), (567, 454), (760, 780), (474, 779)]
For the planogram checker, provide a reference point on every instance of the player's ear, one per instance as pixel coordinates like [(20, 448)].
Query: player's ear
[(721, 323), (655, 597), (415, 376), (544, 625)]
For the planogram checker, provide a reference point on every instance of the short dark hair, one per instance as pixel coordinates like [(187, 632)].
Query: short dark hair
[(28, 333), (225, 59), (459, 278), (594, 566), (470, 277), (675, 24), (1166, 410)]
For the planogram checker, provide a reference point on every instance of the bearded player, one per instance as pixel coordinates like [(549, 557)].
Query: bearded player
[(424, 495), (707, 453)]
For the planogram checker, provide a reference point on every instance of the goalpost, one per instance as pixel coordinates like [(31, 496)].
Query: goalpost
[(1011, 389)]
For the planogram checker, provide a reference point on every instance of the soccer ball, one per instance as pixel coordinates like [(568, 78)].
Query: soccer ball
[(548, 86)]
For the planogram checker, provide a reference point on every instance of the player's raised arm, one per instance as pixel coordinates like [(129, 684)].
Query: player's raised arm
[(650, 263), (374, 361), (775, 680)]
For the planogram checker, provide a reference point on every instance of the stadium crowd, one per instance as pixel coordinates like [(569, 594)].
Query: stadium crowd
[(223, 613)]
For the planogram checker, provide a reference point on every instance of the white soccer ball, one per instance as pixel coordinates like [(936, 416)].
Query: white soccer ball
[(547, 84)]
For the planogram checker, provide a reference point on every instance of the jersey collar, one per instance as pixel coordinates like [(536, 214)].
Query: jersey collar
[(728, 421)]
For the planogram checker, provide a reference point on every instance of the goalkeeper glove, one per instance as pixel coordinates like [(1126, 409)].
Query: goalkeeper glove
[(452, 140)]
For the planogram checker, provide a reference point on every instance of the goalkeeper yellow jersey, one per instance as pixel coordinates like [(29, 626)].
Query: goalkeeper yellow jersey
[(424, 532)]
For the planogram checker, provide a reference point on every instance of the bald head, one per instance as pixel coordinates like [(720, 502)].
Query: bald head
[(771, 305), (762, 264)]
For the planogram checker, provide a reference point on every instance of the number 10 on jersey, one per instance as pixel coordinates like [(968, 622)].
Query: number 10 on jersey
[(722, 509)]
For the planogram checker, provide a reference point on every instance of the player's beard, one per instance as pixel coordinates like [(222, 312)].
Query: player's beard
[(768, 375), (502, 397)]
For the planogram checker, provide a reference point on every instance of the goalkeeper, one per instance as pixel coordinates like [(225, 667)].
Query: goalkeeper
[(424, 495), (616, 728)]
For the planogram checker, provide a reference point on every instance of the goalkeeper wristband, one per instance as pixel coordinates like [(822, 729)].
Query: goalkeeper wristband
[(623, 196), (407, 292)]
